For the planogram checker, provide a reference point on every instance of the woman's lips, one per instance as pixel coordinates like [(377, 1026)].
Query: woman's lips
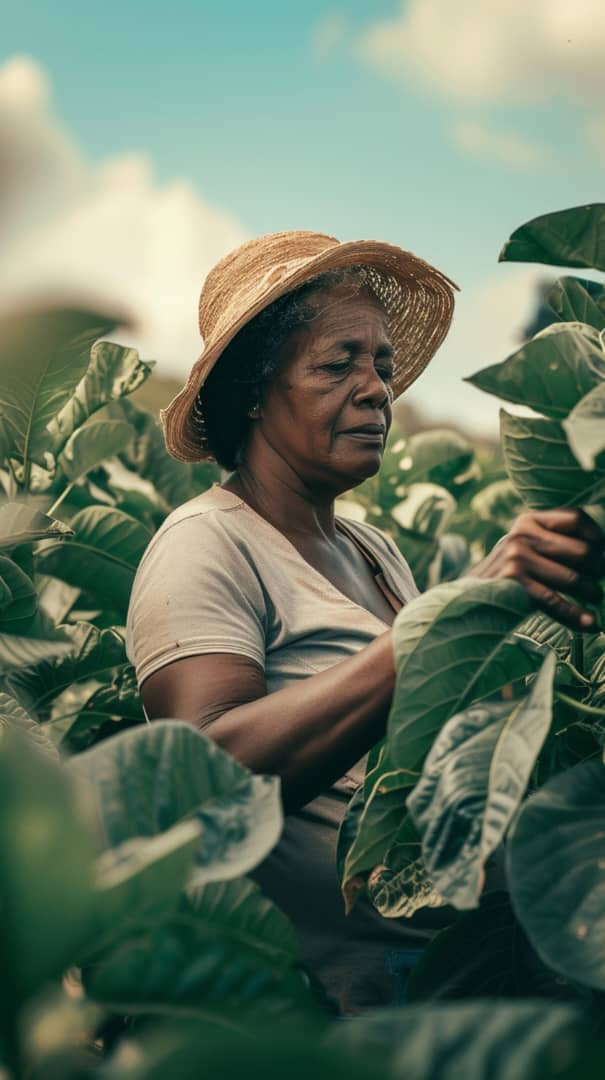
[(365, 436)]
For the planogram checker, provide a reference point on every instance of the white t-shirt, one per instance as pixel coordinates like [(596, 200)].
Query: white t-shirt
[(218, 577)]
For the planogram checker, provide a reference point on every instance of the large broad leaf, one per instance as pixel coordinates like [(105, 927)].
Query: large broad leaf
[(101, 557), (421, 518), (374, 827), (485, 953), (480, 955), (43, 354), (545, 634), (556, 859), (56, 597), (400, 884), (551, 372), (113, 371), (139, 885), (46, 855), (13, 716), (147, 457), (440, 456), (226, 951), (425, 511), (576, 300), (95, 655), (22, 524), (90, 445), (108, 709), (585, 428), (574, 237), (446, 643), (473, 781), (478, 1040), (542, 467), (268, 1051), (27, 635), (182, 774), (497, 503)]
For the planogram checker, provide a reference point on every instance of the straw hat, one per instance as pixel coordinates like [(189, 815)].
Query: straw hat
[(418, 300)]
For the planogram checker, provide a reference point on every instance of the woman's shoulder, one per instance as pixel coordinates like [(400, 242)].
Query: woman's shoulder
[(209, 505)]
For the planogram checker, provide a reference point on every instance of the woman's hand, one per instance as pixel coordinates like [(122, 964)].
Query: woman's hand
[(552, 552)]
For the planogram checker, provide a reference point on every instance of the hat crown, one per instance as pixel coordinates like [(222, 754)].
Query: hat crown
[(251, 270)]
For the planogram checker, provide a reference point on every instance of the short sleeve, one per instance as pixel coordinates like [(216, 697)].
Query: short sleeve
[(196, 591)]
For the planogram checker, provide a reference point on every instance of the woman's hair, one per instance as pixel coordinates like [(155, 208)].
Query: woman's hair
[(252, 360)]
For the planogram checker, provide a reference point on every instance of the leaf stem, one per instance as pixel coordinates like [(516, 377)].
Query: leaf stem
[(590, 710), (52, 510)]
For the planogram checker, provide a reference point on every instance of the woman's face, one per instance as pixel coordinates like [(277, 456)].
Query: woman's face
[(328, 411)]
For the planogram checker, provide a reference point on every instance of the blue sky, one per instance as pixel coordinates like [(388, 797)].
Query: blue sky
[(284, 117)]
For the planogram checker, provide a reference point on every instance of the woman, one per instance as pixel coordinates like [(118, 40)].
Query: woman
[(261, 617)]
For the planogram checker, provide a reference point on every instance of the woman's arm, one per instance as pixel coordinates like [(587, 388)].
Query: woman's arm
[(313, 731), (309, 733)]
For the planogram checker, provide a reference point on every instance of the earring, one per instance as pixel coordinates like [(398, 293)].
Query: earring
[(254, 411)]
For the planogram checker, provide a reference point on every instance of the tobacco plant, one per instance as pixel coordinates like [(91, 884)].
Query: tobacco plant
[(494, 746)]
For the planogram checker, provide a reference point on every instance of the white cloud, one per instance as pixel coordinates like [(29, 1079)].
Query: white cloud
[(482, 141), (494, 50), (328, 34), (74, 230)]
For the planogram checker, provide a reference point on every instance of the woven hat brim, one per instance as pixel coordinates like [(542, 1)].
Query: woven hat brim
[(418, 299)]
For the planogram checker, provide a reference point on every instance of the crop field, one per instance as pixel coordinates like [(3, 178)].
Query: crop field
[(133, 944)]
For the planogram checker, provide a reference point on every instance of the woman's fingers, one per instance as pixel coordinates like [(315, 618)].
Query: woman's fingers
[(573, 521), (559, 607), (562, 577), (552, 552)]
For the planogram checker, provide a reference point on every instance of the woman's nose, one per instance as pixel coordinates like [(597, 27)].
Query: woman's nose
[(373, 388)]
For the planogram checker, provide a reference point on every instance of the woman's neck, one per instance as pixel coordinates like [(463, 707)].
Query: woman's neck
[(285, 502)]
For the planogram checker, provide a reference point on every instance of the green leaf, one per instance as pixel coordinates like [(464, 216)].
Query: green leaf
[(27, 635), (90, 445), (504, 1040), (112, 372), (574, 237), (22, 524), (445, 642), (576, 300), (43, 354), (551, 372), (147, 456), (473, 781), (545, 634), (374, 827), (138, 885), (270, 1051), (439, 456), (478, 956), (46, 856), (498, 503), (400, 884), (585, 428), (117, 704), (227, 953), (101, 557), (541, 465), (95, 655), (425, 511), (555, 859), (13, 716), (182, 774)]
